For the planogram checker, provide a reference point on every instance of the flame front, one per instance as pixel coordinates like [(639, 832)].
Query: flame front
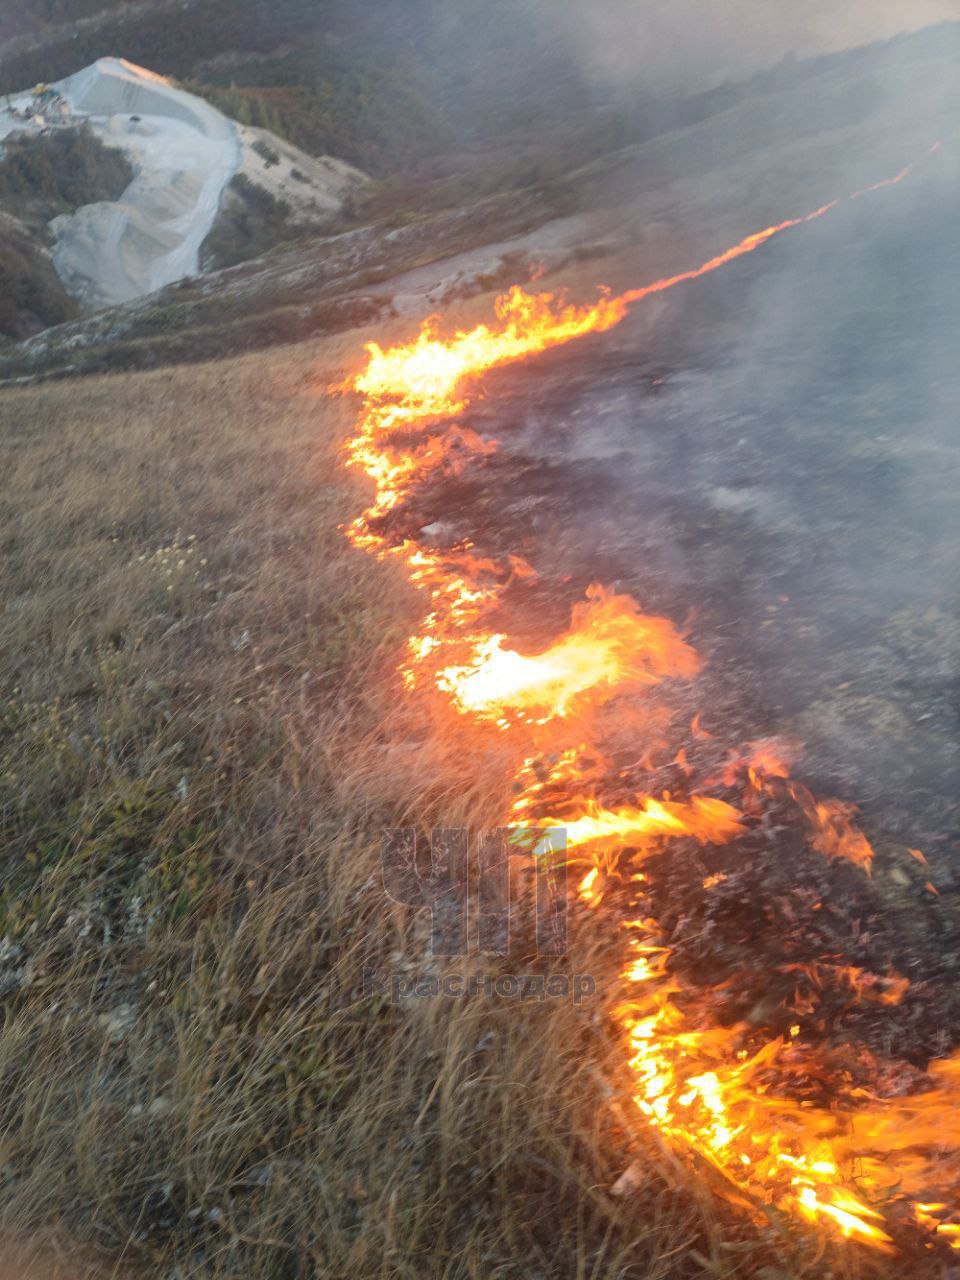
[(610, 645), (710, 1089)]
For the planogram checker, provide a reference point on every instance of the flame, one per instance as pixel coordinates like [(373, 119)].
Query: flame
[(610, 645), (704, 1089), (749, 244), (711, 1089), (832, 826), (835, 833), (705, 819), (897, 178), (409, 388), (869, 988), (587, 887)]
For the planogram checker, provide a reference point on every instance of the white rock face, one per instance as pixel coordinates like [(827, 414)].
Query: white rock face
[(184, 152), (310, 185)]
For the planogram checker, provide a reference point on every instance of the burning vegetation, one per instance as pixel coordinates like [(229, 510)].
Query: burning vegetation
[(765, 1078)]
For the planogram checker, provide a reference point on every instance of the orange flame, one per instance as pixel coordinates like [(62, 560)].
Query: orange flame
[(708, 1089), (610, 645)]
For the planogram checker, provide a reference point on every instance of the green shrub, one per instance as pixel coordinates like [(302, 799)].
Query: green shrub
[(54, 173), (31, 294), (250, 224), (266, 153)]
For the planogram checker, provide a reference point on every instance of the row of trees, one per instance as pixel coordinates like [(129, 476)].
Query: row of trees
[(383, 83)]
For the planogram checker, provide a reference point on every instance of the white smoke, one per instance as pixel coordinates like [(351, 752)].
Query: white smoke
[(658, 43)]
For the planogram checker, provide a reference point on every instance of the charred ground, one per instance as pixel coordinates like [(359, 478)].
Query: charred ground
[(768, 457)]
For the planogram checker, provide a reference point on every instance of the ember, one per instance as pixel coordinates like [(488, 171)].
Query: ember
[(724, 1091)]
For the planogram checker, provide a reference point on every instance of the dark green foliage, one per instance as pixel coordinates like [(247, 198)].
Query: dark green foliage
[(41, 177), (449, 97), (177, 43), (375, 119), (385, 84), (28, 15), (449, 85), (31, 295), (58, 172), (266, 153), (443, 102), (252, 222)]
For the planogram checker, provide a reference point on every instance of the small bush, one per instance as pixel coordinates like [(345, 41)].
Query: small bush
[(266, 153)]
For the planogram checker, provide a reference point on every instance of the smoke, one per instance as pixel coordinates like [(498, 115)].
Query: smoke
[(659, 43), (776, 444)]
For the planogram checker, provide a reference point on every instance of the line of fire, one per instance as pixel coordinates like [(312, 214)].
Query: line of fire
[(762, 1081)]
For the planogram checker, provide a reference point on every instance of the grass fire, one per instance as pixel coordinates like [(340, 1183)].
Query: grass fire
[(724, 1092), (479, 640)]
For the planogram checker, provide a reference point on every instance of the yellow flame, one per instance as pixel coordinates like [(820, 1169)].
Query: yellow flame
[(703, 1088)]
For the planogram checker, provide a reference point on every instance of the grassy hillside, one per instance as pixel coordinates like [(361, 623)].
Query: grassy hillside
[(635, 213), (201, 737), (193, 773), (199, 742), (383, 85), (202, 734)]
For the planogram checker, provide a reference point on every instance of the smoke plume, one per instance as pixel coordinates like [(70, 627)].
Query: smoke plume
[(664, 42)]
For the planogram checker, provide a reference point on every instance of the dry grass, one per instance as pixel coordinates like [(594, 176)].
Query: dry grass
[(200, 742)]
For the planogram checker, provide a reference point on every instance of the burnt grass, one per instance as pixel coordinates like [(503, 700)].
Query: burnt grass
[(779, 522), (781, 920)]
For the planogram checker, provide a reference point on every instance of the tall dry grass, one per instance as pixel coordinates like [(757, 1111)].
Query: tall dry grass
[(200, 742)]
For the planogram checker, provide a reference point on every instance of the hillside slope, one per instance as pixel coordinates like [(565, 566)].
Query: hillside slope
[(791, 143), (200, 742), (45, 175), (181, 156)]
